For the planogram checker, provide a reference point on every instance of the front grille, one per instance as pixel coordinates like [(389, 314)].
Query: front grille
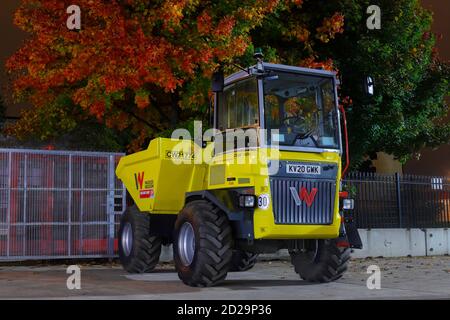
[(288, 211)]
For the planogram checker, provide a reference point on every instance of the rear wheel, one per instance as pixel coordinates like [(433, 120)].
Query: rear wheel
[(202, 244), (243, 260), (320, 261), (138, 251)]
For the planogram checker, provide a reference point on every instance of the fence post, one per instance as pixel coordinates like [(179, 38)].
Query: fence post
[(8, 217), (110, 205), (25, 220), (69, 209), (399, 200)]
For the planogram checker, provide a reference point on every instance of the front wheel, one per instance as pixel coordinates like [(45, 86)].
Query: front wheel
[(138, 251), (320, 261), (202, 244)]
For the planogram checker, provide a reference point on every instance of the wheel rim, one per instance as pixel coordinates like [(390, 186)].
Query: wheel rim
[(186, 244), (127, 239)]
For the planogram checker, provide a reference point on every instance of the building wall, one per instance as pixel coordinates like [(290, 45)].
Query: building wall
[(385, 163)]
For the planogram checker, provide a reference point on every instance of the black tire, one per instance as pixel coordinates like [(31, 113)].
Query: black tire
[(243, 260), (213, 244), (323, 261), (145, 250)]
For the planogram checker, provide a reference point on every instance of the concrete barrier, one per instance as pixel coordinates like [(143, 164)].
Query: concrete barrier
[(379, 243), (438, 241), (404, 242), (391, 243)]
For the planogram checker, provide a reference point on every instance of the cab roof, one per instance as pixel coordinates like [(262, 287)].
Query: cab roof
[(278, 67)]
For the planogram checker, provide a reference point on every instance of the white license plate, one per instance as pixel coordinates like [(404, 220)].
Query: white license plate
[(303, 169)]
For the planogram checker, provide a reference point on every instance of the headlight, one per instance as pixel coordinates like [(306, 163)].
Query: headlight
[(247, 201), (348, 204)]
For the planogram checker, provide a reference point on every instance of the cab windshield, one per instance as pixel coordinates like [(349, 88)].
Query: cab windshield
[(300, 110)]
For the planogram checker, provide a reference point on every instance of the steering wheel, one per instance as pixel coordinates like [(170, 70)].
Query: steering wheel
[(297, 124)]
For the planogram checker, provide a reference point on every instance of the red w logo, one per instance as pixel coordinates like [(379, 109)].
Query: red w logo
[(308, 198), (139, 179), (303, 195)]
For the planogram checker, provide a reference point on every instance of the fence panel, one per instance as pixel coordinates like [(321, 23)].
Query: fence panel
[(58, 204), (400, 201), (425, 201)]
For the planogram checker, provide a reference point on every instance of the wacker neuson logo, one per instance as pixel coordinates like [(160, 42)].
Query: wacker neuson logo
[(303, 195)]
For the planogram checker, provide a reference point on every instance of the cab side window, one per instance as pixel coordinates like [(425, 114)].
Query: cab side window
[(238, 106)]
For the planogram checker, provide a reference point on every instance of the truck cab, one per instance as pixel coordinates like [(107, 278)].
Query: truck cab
[(296, 106), (288, 120)]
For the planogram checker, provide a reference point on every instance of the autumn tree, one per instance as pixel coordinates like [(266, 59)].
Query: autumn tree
[(140, 67)]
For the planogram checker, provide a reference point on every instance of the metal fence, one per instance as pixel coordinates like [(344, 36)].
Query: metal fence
[(58, 204), (400, 201), (62, 204)]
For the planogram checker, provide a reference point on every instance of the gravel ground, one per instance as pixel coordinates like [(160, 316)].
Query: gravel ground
[(401, 278)]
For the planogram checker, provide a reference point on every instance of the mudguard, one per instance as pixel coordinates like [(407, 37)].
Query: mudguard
[(353, 237)]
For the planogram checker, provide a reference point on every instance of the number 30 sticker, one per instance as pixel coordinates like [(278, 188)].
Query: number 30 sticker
[(263, 201)]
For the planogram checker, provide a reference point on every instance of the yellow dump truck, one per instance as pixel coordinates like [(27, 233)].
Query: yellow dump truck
[(268, 177)]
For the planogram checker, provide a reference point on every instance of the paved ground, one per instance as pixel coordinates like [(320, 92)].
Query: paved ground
[(401, 278)]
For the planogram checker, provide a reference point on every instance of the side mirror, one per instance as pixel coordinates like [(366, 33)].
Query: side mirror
[(218, 81), (368, 85)]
